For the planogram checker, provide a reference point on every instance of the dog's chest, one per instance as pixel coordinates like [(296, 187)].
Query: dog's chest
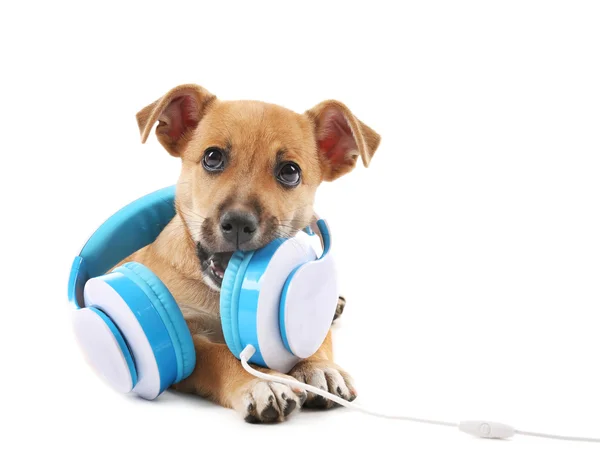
[(203, 322)]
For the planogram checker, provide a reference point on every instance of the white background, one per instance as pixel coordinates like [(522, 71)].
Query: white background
[(469, 250)]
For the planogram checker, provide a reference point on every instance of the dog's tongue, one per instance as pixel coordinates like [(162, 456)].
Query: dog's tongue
[(219, 262)]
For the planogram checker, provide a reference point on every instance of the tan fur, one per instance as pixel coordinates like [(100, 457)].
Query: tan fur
[(191, 120)]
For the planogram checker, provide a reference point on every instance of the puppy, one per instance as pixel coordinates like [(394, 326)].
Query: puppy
[(249, 175)]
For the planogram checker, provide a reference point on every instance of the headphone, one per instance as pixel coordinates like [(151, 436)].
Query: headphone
[(280, 299), (276, 304)]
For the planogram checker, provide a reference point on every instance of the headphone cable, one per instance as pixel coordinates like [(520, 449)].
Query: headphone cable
[(482, 429)]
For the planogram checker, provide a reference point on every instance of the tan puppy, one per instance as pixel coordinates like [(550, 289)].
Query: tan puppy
[(249, 175)]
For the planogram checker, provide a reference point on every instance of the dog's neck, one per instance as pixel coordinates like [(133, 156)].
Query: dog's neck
[(175, 245)]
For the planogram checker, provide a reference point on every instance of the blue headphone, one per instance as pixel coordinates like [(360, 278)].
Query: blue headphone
[(280, 299)]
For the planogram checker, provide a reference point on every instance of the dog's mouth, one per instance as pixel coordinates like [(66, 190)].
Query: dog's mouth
[(217, 263), (214, 265)]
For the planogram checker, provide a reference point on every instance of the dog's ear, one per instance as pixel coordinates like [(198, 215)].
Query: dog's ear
[(178, 114), (341, 138)]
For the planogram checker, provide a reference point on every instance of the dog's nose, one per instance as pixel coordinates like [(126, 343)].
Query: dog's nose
[(238, 227)]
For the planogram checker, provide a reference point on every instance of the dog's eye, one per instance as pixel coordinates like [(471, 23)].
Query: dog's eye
[(213, 160), (288, 174)]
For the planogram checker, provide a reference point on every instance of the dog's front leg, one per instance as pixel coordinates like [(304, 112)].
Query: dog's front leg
[(320, 371), (218, 375)]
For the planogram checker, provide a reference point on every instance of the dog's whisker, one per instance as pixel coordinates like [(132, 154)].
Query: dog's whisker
[(189, 212)]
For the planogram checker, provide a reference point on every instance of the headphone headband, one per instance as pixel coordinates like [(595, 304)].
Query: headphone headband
[(128, 230)]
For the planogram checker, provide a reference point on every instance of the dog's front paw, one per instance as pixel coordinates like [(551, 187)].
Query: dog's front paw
[(327, 376), (260, 401)]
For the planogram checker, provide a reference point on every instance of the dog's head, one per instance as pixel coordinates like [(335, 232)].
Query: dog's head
[(250, 170)]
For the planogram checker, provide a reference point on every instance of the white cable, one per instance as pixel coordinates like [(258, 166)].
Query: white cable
[(482, 429), (249, 351), (557, 436)]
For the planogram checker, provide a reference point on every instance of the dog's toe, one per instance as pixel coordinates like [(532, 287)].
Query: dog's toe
[(326, 376), (269, 402)]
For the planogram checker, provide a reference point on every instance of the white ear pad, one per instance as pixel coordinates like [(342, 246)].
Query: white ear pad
[(99, 293), (308, 306), (103, 349)]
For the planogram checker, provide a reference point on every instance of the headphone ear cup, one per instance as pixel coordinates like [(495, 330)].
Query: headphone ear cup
[(250, 295), (152, 325)]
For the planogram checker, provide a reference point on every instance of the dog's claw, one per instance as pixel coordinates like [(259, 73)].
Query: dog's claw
[(251, 419), (318, 402), (303, 398), (290, 405), (339, 309)]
